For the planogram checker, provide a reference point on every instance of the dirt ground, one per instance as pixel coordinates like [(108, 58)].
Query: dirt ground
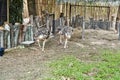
[(30, 63)]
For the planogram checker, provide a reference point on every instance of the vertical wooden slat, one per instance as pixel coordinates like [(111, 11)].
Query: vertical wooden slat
[(2, 41), (26, 34), (12, 35), (5, 38), (8, 40), (17, 29), (32, 39)]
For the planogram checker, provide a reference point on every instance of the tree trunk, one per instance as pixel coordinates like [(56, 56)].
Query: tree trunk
[(25, 9), (8, 11)]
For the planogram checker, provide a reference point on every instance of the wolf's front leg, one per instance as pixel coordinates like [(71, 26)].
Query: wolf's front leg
[(38, 41), (60, 40), (43, 46), (66, 41)]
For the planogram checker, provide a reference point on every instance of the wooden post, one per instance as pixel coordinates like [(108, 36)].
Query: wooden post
[(83, 30)]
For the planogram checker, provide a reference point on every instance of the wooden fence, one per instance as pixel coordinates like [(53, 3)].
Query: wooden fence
[(13, 35), (16, 35)]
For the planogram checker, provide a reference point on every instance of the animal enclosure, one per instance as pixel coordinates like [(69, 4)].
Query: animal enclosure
[(18, 33)]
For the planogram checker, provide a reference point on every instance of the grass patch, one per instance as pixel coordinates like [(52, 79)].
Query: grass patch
[(108, 68)]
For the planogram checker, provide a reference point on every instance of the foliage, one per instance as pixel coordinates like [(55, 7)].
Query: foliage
[(16, 9), (105, 69), (109, 66)]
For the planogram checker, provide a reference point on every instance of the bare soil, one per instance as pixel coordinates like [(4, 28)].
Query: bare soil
[(30, 63)]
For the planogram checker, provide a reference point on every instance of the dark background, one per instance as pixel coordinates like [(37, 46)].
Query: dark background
[(3, 11)]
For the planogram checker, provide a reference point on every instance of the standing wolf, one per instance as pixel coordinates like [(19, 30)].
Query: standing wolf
[(65, 33)]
